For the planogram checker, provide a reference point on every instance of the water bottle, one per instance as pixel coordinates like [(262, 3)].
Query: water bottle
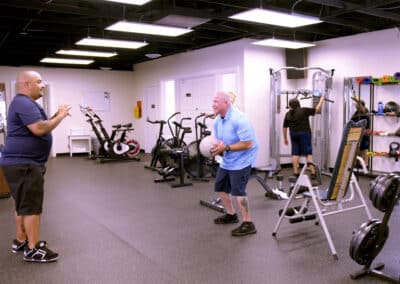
[(380, 108)]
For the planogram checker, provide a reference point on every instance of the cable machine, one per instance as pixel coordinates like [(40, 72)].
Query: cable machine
[(321, 86)]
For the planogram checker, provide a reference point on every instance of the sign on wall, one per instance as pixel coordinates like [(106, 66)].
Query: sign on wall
[(97, 100)]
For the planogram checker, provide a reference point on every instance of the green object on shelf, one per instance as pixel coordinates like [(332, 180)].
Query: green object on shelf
[(377, 81)]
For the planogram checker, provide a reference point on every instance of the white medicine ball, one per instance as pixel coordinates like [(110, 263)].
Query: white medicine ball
[(206, 144)]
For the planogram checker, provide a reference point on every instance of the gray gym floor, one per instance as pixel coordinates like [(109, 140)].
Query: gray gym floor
[(112, 224)]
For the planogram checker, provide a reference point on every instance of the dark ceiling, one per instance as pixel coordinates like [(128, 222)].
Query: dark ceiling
[(33, 29)]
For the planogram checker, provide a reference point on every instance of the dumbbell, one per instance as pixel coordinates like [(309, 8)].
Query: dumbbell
[(292, 181), (279, 178)]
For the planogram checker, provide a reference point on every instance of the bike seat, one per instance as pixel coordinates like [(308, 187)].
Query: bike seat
[(129, 125), (117, 126)]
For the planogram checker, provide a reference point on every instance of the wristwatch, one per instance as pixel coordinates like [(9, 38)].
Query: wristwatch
[(227, 148)]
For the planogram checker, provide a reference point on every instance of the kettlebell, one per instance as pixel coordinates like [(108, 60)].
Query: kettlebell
[(394, 150)]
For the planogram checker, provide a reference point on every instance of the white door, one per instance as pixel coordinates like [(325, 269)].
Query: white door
[(153, 112), (194, 97)]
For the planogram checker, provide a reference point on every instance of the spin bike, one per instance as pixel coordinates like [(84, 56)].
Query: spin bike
[(116, 147)]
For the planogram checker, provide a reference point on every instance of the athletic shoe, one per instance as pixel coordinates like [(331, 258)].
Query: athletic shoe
[(246, 228), (18, 246), (227, 219), (40, 253)]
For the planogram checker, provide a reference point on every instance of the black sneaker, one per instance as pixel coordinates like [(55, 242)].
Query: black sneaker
[(18, 246), (227, 219), (40, 253), (246, 228)]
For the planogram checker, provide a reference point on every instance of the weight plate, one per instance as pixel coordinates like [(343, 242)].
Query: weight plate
[(385, 193), (377, 180), (366, 245), (359, 235)]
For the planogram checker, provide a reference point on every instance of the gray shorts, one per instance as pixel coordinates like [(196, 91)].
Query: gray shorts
[(232, 181), (26, 185)]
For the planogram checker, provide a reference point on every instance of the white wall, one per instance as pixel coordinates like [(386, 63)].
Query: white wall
[(257, 62), (209, 61), (68, 86), (374, 54)]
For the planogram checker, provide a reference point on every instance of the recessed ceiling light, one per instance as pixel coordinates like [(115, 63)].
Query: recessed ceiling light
[(181, 21), (111, 43), (86, 53), (152, 55), (66, 61), (133, 2), (275, 18), (283, 43), (142, 28)]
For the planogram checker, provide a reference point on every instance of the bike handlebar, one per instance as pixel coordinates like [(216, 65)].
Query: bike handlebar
[(200, 115), (176, 113), (155, 121), (179, 125), (186, 118)]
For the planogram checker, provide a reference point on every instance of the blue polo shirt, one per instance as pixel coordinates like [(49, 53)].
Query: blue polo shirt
[(235, 127), (22, 146)]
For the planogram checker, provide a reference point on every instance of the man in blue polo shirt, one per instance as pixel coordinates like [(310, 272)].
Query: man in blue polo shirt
[(23, 159), (238, 147)]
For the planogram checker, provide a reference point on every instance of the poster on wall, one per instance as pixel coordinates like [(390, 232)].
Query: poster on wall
[(98, 101)]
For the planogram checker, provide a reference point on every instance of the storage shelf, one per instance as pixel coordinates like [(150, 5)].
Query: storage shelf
[(79, 141), (387, 123)]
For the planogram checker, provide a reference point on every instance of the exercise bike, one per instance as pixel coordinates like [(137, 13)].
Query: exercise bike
[(160, 157), (174, 151), (158, 152), (116, 147), (196, 165)]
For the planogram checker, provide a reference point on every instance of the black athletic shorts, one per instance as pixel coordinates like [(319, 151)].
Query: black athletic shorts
[(26, 185), (301, 143), (232, 181)]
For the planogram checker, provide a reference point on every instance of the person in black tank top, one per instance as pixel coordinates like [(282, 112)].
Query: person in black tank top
[(298, 123)]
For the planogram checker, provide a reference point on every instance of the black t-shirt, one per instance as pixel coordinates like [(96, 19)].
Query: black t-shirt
[(297, 120)]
